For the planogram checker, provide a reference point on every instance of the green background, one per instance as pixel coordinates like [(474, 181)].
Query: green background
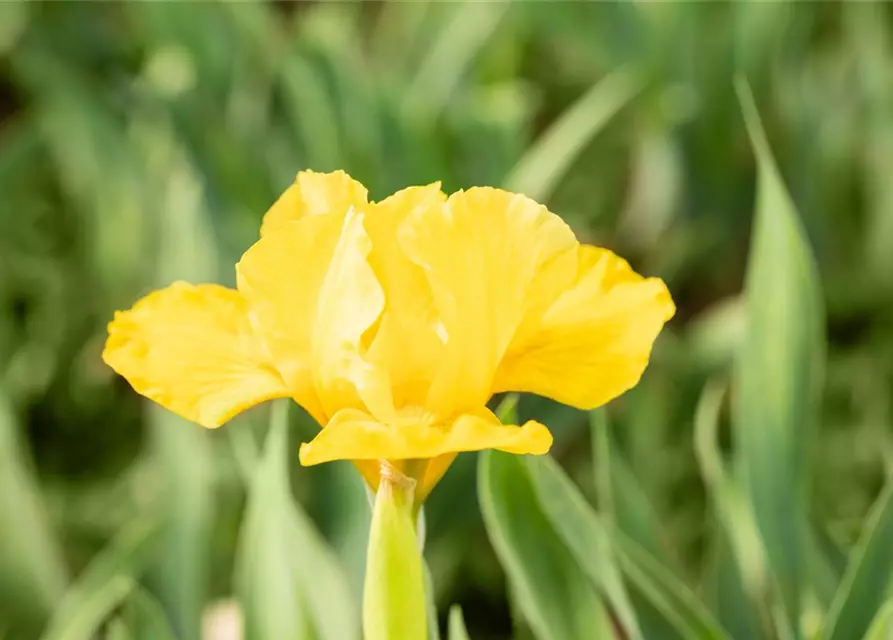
[(142, 142)]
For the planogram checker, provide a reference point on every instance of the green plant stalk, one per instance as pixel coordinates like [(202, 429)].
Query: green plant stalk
[(393, 595)]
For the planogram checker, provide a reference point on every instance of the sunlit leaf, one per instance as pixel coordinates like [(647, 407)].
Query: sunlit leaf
[(584, 534), (882, 625), (533, 555), (450, 54), (105, 583), (289, 582), (779, 370), (457, 630), (868, 577), (545, 163), (32, 574)]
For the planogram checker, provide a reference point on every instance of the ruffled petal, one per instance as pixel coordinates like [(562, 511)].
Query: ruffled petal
[(355, 435), (481, 253), (351, 300), (406, 342), (191, 349), (313, 295), (281, 277), (594, 341), (313, 194)]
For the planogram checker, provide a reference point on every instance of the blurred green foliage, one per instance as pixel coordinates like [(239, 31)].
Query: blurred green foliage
[(142, 142)]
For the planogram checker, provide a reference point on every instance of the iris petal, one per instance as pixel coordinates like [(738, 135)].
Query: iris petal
[(356, 435), (191, 349), (481, 253), (594, 340), (314, 194)]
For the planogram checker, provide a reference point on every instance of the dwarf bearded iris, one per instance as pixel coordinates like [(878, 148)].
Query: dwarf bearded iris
[(393, 323)]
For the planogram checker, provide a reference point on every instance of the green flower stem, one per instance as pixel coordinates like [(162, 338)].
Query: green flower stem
[(393, 595)]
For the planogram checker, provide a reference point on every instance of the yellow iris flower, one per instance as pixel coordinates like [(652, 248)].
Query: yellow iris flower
[(393, 323)]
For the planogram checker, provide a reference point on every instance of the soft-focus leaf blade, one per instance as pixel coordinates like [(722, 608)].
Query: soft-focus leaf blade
[(534, 556), (146, 618), (430, 603), (882, 625), (666, 592), (182, 449), (584, 534), (457, 630), (537, 174), (289, 582), (32, 574), (105, 583), (621, 499), (868, 577), (779, 370), (451, 53)]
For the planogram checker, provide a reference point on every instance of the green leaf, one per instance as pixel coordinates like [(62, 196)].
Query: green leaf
[(868, 576), (93, 611), (826, 564), (584, 534), (621, 498), (117, 629), (555, 596), (32, 573), (105, 583), (180, 575), (882, 625), (740, 563), (457, 630), (14, 18), (430, 600), (779, 370), (725, 592), (545, 163), (729, 503), (289, 582), (144, 615), (450, 55), (667, 593), (670, 610)]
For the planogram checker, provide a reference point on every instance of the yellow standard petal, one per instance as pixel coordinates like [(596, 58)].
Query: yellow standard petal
[(481, 253), (281, 277), (406, 343), (356, 435), (350, 302), (593, 342), (313, 295), (191, 349), (313, 194)]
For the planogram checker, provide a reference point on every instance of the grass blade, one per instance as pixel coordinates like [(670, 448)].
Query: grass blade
[(105, 583), (868, 576), (431, 605), (621, 498), (457, 630), (145, 616), (667, 593), (584, 535), (779, 370), (533, 555), (32, 574), (545, 163), (92, 612), (882, 625), (739, 536), (449, 57), (182, 449), (289, 582)]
